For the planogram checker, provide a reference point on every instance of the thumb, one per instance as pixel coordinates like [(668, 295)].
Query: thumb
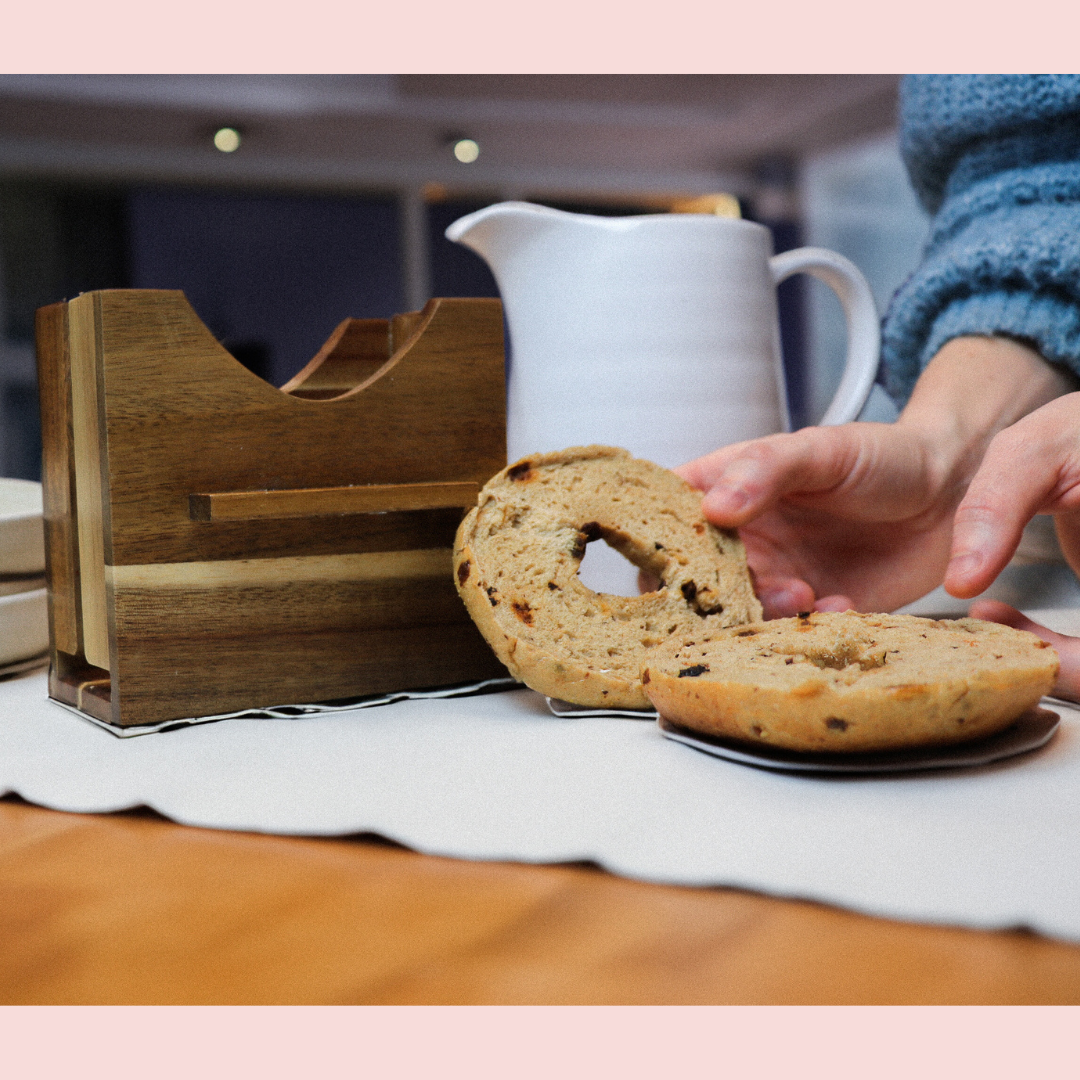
[(1012, 484)]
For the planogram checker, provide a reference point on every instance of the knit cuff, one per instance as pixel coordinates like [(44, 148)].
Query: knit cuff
[(1050, 324), (1004, 258)]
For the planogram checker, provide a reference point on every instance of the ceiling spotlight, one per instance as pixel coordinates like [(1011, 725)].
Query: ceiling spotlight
[(227, 139), (466, 150)]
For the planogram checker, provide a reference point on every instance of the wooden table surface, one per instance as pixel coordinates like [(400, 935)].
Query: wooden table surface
[(132, 909)]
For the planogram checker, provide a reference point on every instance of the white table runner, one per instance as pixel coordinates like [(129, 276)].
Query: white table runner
[(499, 777)]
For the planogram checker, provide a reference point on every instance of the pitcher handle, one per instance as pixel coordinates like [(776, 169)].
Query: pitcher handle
[(860, 313)]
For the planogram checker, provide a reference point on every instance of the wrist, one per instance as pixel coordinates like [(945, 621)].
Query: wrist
[(973, 388)]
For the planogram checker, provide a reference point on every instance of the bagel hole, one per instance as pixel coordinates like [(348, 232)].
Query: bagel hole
[(605, 570)]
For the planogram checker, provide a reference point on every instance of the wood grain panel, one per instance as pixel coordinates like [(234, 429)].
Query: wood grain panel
[(193, 604), (161, 678), (184, 418)]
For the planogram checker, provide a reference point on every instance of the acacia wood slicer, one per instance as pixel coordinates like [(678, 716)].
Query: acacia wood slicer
[(217, 544)]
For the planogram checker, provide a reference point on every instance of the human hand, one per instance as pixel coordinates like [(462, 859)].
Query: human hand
[(1032, 467), (851, 516), (1067, 648), (861, 515)]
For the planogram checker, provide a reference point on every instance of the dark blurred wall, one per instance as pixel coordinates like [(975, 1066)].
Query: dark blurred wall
[(270, 275), (792, 308), (776, 206), (455, 270), (55, 241)]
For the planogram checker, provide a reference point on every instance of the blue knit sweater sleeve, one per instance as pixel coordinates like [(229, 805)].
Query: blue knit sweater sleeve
[(996, 158)]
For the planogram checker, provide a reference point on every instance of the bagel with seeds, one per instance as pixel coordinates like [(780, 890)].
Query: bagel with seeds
[(848, 682), (516, 560)]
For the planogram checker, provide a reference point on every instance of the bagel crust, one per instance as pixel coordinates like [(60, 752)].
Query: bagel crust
[(848, 682), (516, 562)]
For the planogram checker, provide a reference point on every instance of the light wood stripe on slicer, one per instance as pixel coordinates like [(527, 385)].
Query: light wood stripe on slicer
[(83, 345), (294, 570)]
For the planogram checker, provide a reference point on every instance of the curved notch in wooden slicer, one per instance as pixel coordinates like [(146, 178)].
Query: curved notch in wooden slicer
[(353, 355)]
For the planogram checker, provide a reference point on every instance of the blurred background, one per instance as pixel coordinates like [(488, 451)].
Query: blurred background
[(284, 204)]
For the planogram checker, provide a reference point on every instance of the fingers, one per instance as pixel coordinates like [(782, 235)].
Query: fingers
[(783, 597), (1067, 526), (985, 538), (835, 603), (1006, 492), (780, 597), (1029, 468), (742, 480), (647, 582), (996, 611), (1067, 648)]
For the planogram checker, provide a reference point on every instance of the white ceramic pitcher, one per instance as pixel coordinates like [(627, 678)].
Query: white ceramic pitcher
[(658, 333)]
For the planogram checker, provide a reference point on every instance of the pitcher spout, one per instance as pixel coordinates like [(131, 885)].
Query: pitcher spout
[(496, 231)]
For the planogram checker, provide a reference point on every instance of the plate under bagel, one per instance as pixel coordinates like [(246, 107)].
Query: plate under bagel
[(1031, 730), (567, 709)]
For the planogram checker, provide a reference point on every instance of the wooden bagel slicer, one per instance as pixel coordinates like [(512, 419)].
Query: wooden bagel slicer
[(216, 544)]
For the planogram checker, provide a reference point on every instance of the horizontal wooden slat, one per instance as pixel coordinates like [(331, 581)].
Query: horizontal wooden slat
[(315, 502)]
